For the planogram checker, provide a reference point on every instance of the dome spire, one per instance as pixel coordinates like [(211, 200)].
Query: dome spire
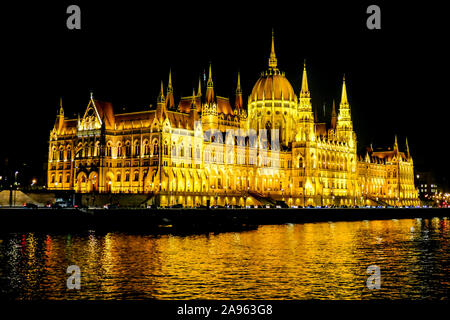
[(273, 58)]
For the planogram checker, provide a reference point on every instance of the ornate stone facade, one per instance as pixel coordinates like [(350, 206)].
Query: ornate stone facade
[(204, 150)]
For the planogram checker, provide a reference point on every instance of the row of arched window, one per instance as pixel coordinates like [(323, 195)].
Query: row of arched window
[(121, 149), (61, 153), (338, 162), (60, 178)]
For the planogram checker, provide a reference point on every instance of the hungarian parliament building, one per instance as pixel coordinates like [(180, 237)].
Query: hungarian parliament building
[(206, 150)]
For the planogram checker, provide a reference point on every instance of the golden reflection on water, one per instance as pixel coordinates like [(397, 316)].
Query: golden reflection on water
[(304, 261)]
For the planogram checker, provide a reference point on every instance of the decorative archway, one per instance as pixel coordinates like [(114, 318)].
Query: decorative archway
[(92, 183), (81, 183), (109, 181)]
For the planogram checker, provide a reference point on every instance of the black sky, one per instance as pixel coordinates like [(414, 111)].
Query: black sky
[(396, 77)]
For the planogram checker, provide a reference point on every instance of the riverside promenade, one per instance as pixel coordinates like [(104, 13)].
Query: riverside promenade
[(191, 220)]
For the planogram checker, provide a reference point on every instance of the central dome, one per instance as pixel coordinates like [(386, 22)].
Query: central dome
[(272, 85), (273, 103)]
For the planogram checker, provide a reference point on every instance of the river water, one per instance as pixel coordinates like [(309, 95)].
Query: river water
[(303, 261)]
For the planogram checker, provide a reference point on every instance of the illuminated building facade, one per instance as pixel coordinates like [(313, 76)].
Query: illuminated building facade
[(208, 150)]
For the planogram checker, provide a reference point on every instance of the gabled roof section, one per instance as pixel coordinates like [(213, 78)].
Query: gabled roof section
[(105, 112), (185, 103), (389, 155), (224, 106)]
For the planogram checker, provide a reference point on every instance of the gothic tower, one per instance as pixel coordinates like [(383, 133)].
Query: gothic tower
[(209, 109), (344, 126), (305, 127)]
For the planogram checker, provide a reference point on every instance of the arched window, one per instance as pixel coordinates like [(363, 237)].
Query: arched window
[(53, 179), (61, 153), (97, 149), (69, 153), (137, 148), (166, 148), (108, 149), (136, 176), (155, 148), (182, 150), (118, 177), (128, 149), (119, 150), (67, 178), (127, 176), (174, 150), (53, 156), (91, 150), (300, 162), (146, 148)]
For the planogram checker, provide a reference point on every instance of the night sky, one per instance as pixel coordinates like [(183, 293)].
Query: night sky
[(397, 77)]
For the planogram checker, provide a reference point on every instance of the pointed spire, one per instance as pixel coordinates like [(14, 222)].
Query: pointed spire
[(169, 99), (367, 158), (238, 104), (407, 148), (344, 100), (333, 116), (210, 87), (161, 107), (395, 144), (199, 90), (333, 112), (273, 58), (210, 81), (92, 95), (193, 105), (304, 92), (61, 110), (344, 126), (169, 85), (238, 88), (161, 98)]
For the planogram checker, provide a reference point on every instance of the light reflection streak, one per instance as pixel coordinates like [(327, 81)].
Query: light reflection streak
[(304, 261)]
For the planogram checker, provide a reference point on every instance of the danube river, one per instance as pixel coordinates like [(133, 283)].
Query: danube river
[(303, 261)]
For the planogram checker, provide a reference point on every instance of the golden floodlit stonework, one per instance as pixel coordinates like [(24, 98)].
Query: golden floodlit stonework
[(207, 151)]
